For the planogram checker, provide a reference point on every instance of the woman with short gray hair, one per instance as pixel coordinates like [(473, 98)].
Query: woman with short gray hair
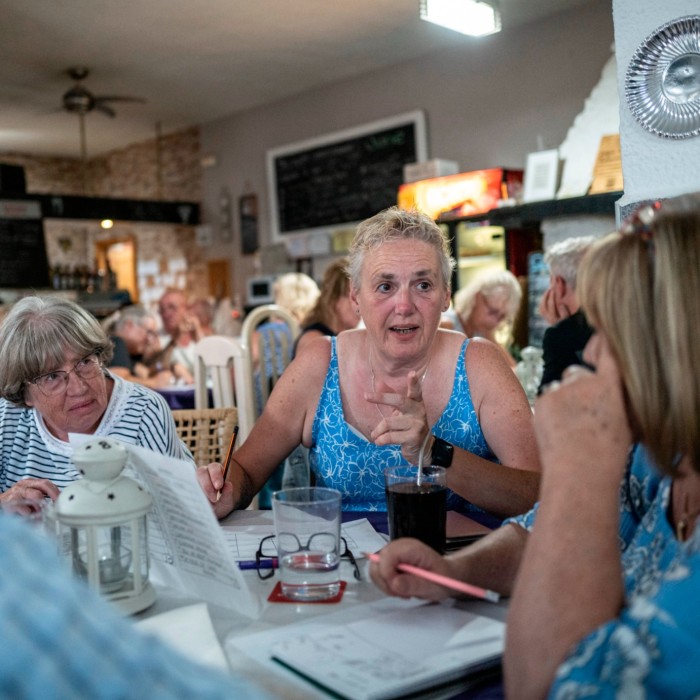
[(53, 382), (395, 390)]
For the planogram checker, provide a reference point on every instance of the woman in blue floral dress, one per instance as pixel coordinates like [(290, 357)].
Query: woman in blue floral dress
[(605, 601), (376, 395)]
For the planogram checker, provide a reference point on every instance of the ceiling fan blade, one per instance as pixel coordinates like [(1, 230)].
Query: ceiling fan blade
[(118, 98), (99, 107)]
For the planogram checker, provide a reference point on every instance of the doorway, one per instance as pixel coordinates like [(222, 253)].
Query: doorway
[(118, 256), (219, 280)]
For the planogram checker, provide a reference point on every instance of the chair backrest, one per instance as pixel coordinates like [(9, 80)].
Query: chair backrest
[(275, 330), (206, 432), (224, 362)]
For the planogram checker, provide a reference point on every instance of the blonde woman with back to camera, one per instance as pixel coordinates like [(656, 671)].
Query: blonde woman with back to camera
[(374, 396), (605, 573)]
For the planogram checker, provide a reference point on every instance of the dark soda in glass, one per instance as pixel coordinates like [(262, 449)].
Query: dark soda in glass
[(417, 511)]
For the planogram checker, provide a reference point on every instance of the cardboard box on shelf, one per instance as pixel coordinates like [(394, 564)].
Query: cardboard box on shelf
[(437, 167), (607, 172)]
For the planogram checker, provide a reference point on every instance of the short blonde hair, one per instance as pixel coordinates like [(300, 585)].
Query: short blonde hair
[(493, 284), (641, 289), (296, 292), (396, 224)]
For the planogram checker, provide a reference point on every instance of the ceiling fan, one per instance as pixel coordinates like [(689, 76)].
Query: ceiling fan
[(79, 100)]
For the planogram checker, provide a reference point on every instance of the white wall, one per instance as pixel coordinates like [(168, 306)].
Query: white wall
[(652, 166), (488, 104)]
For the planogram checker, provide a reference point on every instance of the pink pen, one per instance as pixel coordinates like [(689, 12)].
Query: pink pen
[(476, 591)]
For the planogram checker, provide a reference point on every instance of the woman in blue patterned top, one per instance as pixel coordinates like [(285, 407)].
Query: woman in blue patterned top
[(605, 603), (373, 396), (53, 382)]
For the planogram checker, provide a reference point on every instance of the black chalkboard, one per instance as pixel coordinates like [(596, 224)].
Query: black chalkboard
[(345, 180), (23, 261)]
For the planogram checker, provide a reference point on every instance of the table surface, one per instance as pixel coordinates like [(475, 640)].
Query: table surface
[(181, 396), (228, 623)]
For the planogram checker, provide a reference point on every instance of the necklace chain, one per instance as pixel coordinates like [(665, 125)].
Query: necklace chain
[(371, 372), (684, 520)]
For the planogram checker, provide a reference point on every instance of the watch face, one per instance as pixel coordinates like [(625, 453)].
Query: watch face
[(441, 453), (662, 84)]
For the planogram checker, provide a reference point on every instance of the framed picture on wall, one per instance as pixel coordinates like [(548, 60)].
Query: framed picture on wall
[(541, 176), (248, 207)]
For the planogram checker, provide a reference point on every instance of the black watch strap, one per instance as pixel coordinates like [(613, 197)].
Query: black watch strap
[(441, 453)]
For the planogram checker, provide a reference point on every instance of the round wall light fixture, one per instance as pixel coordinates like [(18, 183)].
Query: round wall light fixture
[(662, 83)]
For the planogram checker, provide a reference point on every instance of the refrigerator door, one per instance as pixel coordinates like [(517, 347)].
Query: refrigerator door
[(478, 249)]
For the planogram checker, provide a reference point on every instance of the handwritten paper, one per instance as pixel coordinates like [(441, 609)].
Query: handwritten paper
[(378, 657), (369, 651)]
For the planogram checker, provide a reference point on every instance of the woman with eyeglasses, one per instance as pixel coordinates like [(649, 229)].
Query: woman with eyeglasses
[(486, 308), (605, 573), (53, 382)]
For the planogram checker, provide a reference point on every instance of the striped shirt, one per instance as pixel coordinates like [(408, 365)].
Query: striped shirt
[(135, 414)]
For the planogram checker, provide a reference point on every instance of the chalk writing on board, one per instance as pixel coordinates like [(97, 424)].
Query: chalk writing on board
[(345, 179)]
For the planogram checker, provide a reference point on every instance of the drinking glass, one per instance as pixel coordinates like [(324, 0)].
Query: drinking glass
[(417, 509), (307, 534)]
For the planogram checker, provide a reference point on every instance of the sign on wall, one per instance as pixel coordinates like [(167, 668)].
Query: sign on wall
[(343, 177), (24, 261)]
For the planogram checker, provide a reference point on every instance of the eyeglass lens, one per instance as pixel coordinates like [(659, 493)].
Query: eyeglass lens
[(268, 550), (56, 382)]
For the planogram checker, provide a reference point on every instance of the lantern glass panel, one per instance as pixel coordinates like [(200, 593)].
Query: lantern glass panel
[(113, 558)]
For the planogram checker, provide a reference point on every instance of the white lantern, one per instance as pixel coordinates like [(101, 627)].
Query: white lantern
[(102, 520)]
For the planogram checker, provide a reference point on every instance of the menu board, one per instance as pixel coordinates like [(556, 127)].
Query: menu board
[(23, 261), (342, 178)]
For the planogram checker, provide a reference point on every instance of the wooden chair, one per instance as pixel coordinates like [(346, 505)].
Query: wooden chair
[(273, 330), (223, 362), (206, 432)]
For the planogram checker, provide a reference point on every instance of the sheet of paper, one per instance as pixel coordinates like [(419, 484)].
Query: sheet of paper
[(185, 539), (379, 657), (373, 647), (189, 631), (243, 541)]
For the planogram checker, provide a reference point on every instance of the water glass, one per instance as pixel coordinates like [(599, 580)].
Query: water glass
[(307, 534)]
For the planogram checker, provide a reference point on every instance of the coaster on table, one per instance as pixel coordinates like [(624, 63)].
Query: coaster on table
[(278, 597)]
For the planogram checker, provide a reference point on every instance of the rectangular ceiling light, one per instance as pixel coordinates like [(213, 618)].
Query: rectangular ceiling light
[(472, 17)]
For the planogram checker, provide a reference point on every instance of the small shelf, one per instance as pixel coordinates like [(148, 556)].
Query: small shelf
[(526, 215)]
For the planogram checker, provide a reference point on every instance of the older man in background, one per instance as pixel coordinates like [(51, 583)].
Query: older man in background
[(135, 338), (569, 331)]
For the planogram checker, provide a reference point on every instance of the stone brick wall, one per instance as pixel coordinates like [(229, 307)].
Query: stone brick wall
[(134, 172), (166, 254)]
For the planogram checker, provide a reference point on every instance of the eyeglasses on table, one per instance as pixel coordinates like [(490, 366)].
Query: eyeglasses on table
[(290, 543)]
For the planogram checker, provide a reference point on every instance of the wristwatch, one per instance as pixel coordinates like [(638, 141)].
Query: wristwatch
[(441, 452)]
